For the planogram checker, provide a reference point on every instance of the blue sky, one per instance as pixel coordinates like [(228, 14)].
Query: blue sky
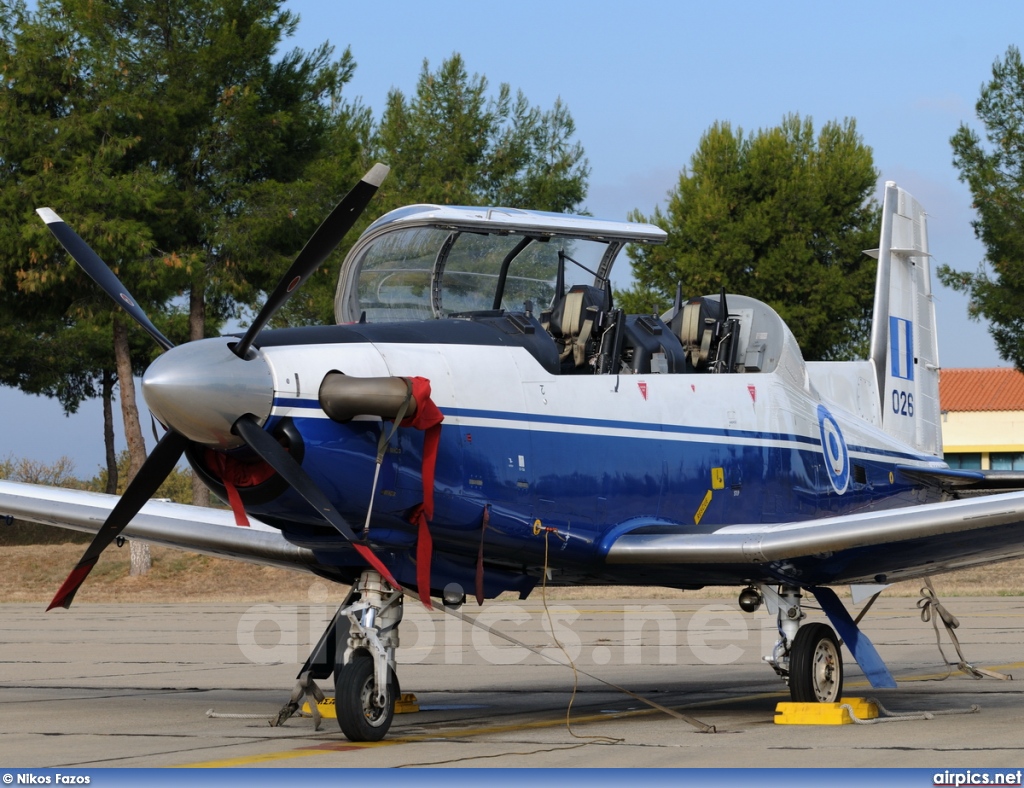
[(644, 80)]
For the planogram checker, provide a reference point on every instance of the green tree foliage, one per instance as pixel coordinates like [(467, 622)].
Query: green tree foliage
[(993, 168), (54, 360), (163, 130), (281, 217), (196, 157), (455, 144), (783, 216), (57, 474), (176, 487), (66, 145), (160, 131)]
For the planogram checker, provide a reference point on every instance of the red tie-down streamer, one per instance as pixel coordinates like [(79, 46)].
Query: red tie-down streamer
[(427, 418), (234, 474)]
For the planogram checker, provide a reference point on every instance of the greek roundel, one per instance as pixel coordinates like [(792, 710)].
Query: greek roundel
[(837, 458)]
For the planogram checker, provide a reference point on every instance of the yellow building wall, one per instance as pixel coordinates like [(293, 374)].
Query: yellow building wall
[(984, 432)]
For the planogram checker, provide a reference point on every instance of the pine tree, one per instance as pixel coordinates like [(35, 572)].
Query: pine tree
[(783, 216), (994, 171)]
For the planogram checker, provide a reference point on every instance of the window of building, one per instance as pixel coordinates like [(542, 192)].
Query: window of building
[(1007, 461), (967, 460)]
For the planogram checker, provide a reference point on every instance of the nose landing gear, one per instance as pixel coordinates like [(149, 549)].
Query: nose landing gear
[(358, 647), (365, 682)]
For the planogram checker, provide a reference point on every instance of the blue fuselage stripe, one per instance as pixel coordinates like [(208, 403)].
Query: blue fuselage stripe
[(523, 420)]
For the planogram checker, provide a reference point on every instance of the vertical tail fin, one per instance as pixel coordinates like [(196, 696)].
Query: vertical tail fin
[(904, 350)]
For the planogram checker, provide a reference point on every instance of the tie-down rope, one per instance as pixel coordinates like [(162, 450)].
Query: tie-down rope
[(933, 610), (889, 716)]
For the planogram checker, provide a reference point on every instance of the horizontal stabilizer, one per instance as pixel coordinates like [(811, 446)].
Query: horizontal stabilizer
[(873, 253), (944, 478), (962, 482)]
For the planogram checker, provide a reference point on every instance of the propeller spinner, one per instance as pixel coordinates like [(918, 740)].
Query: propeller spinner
[(201, 389)]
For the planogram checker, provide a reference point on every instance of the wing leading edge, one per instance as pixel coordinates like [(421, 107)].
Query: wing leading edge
[(755, 544), (201, 530)]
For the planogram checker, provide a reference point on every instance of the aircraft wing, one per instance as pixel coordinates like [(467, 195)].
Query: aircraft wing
[(199, 529), (935, 536)]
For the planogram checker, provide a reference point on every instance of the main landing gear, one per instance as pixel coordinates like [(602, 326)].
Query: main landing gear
[(815, 665), (358, 647), (807, 656)]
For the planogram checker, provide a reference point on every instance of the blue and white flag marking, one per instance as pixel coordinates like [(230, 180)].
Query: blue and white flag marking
[(901, 348)]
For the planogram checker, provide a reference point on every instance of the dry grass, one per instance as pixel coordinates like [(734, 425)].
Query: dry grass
[(33, 573)]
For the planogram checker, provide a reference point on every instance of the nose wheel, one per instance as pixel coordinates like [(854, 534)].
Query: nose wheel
[(815, 665), (363, 713)]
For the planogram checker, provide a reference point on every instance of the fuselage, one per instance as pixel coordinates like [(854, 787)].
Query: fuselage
[(592, 456), (568, 423)]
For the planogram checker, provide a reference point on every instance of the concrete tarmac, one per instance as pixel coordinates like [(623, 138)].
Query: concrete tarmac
[(131, 685)]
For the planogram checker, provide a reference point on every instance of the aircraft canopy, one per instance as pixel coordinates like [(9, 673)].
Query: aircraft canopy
[(431, 261)]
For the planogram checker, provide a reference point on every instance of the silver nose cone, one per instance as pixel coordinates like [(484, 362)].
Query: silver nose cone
[(201, 388)]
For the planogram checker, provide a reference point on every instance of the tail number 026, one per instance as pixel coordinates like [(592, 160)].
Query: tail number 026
[(902, 403)]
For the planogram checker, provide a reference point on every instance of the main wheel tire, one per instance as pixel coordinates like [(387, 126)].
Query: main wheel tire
[(815, 665), (354, 690)]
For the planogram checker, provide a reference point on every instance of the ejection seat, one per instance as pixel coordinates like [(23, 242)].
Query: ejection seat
[(697, 332), (573, 323)]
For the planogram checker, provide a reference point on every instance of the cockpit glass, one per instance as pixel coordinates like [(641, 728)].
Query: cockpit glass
[(472, 270), (419, 273), (394, 280)]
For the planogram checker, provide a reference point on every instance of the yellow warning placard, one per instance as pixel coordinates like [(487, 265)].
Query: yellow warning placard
[(703, 508)]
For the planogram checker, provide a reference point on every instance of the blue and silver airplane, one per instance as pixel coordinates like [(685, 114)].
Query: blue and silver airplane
[(481, 394)]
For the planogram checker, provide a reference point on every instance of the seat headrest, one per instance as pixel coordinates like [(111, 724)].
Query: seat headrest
[(573, 307)]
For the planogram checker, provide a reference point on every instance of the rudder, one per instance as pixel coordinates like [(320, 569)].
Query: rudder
[(904, 349)]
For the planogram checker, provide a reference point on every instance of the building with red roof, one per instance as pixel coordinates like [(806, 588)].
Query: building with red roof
[(982, 418)]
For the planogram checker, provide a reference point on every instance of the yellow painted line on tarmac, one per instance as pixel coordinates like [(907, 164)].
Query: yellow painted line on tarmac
[(345, 746), (320, 749), (246, 760)]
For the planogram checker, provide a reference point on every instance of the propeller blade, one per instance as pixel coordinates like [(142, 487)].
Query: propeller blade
[(327, 236), (151, 475), (277, 457), (100, 272)]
